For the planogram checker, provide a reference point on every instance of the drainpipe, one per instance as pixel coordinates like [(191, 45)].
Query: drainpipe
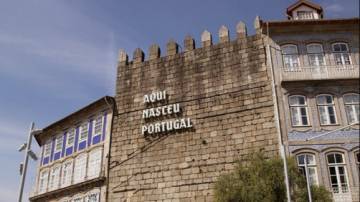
[(277, 121)]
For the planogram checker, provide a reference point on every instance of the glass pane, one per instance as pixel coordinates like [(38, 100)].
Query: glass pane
[(294, 100), (295, 116), (312, 175), (70, 137), (303, 111), (338, 158), (331, 159), (289, 49), (343, 48), (323, 116), (333, 180), (314, 48), (304, 121), (338, 59), (302, 170), (342, 179), (310, 160), (332, 119), (351, 113), (301, 160), (329, 99), (358, 157), (321, 99), (351, 98), (346, 58), (336, 47), (341, 170)]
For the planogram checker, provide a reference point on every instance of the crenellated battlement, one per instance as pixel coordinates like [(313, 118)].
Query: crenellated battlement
[(172, 48)]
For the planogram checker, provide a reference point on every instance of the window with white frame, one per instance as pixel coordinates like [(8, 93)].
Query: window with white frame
[(67, 199), (47, 149), (84, 128), (93, 196), (94, 167), (351, 102), (70, 138), (291, 57), (315, 54), (308, 161), (78, 198), (80, 168), (66, 173), (98, 125), (337, 172), (59, 143), (298, 110), (305, 15), (341, 53), (43, 181), (54, 177), (326, 107)]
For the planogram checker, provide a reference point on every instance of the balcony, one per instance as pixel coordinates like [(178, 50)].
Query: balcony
[(325, 72)]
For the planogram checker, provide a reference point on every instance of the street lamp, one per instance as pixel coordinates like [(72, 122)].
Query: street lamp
[(28, 152)]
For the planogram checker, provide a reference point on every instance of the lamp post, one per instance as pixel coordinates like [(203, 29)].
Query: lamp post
[(28, 152)]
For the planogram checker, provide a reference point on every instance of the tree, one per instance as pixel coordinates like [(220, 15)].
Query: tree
[(262, 180)]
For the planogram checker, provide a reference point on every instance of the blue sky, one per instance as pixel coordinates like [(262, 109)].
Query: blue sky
[(59, 55)]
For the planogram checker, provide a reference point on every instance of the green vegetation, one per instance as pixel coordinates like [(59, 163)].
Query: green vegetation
[(262, 180)]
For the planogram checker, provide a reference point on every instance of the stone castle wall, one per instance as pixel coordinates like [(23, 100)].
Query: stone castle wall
[(225, 90)]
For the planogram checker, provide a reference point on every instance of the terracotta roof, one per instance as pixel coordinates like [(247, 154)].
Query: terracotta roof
[(304, 2)]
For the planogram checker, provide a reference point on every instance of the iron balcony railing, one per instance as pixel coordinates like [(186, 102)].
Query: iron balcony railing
[(326, 72)]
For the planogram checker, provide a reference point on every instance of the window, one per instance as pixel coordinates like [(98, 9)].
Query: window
[(337, 172), (47, 149), (70, 138), (94, 163), (58, 143), (291, 57), (78, 198), (83, 132), (93, 196), (351, 102), (54, 178), (98, 125), (66, 173), (305, 15), (298, 110), (326, 109), (43, 181), (67, 199), (341, 54), (315, 54), (308, 160), (80, 168)]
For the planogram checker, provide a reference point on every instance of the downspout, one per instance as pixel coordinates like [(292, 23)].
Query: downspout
[(277, 117), (112, 107)]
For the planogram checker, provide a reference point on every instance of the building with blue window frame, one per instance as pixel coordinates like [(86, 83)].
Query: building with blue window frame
[(74, 155)]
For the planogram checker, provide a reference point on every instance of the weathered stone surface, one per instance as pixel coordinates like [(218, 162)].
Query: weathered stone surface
[(225, 89)]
